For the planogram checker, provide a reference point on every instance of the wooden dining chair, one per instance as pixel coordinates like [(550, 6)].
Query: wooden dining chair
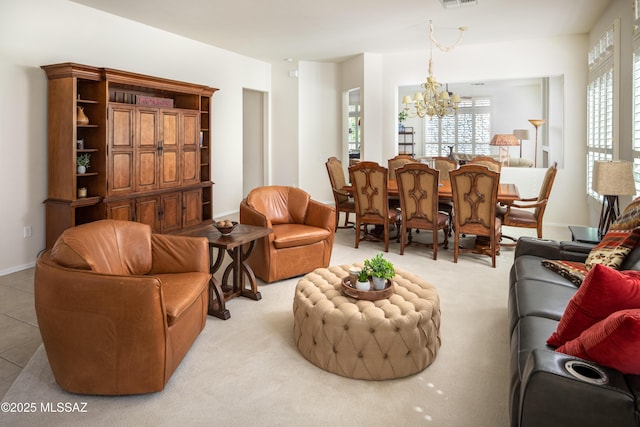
[(487, 161), (344, 203), (529, 214), (475, 198), (370, 191), (397, 162), (418, 191)]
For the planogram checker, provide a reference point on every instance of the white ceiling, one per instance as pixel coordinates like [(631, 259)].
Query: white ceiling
[(333, 30)]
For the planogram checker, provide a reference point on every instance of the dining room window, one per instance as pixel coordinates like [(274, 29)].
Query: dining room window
[(468, 131), (600, 94)]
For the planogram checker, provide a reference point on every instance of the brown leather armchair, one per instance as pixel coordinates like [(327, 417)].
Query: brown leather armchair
[(303, 232), (118, 307)]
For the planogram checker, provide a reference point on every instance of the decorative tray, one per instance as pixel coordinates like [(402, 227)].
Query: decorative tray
[(371, 295)]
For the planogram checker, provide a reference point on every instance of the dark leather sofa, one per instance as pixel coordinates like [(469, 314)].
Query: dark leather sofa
[(549, 388)]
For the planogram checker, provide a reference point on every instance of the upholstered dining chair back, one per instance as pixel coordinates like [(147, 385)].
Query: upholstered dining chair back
[(344, 203), (418, 190), (444, 165), (370, 189), (397, 162), (475, 198), (487, 161)]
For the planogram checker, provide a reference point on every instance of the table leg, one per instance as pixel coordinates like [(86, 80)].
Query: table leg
[(240, 269), (217, 301)]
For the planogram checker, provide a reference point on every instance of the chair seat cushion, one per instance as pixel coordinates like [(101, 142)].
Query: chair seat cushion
[(521, 216), (347, 205), (180, 291), (292, 235)]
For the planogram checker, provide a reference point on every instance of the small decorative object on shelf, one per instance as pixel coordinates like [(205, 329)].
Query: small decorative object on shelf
[(402, 116), (81, 118), (80, 144), (82, 192), (83, 161), (380, 269)]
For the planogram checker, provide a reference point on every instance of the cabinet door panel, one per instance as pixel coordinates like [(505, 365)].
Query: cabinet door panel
[(191, 130), (169, 164), (147, 139), (147, 212), (121, 172), (121, 141), (190, 161), (120, 210), (190, 167), (192, 208), (121, 129), (171, 208)]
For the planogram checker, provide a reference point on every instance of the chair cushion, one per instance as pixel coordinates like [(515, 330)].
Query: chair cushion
[(180, 291), (521, 216), (292, 235), (108, 247)]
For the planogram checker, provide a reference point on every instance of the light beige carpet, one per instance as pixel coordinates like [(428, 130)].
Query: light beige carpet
[(247, 371)]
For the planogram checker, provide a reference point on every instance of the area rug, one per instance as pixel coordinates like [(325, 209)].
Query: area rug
[(247, 371)]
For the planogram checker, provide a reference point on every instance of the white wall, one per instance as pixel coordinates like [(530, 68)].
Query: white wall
[(320, 126), (40, 32)]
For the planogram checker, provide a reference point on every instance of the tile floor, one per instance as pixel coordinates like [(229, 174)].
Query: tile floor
[(20, 337)]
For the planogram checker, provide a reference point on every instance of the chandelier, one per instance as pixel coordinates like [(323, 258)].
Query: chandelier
[(433, 101)]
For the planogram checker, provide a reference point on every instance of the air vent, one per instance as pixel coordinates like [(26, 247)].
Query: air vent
[(450, 4)]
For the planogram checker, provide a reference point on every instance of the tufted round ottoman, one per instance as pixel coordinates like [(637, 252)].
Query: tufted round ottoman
[(373, 340)]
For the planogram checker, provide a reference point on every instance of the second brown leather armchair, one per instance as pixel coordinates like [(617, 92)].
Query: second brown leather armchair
[(303, 232)]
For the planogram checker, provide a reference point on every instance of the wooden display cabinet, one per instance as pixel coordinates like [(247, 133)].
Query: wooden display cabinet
[(149, 143)]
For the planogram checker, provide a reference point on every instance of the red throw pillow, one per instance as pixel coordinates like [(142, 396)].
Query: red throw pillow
[(603, 291), (612, 342)]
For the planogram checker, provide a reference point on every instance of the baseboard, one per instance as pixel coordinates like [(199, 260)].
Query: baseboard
[(17, 268)]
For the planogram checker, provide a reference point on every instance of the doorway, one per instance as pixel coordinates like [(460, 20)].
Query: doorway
[(254, 139)]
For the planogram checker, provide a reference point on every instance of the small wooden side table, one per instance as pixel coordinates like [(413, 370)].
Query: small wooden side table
[(584, 234), (239, 245)]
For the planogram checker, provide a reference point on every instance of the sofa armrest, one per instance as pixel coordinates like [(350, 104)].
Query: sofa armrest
[(179, 254), (321, 215), (552, 249), (551, 395)]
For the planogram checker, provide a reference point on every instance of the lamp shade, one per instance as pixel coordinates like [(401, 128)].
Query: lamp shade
[(536, 122), (521, 133), (613, 178), (504, 139)]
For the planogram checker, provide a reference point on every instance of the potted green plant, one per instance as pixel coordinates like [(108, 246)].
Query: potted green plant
[(83, 161), (402, 116), (363, 280), (380, 269)]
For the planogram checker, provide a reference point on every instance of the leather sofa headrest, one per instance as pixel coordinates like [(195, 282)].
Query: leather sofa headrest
[(107, 247)]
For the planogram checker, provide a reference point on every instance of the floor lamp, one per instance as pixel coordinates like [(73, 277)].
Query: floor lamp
[(610, 180), (521, 134), (536, 123)]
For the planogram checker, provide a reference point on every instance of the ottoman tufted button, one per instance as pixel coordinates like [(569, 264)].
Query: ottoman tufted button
[(346, 327), (360, 355), (372, 330)]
